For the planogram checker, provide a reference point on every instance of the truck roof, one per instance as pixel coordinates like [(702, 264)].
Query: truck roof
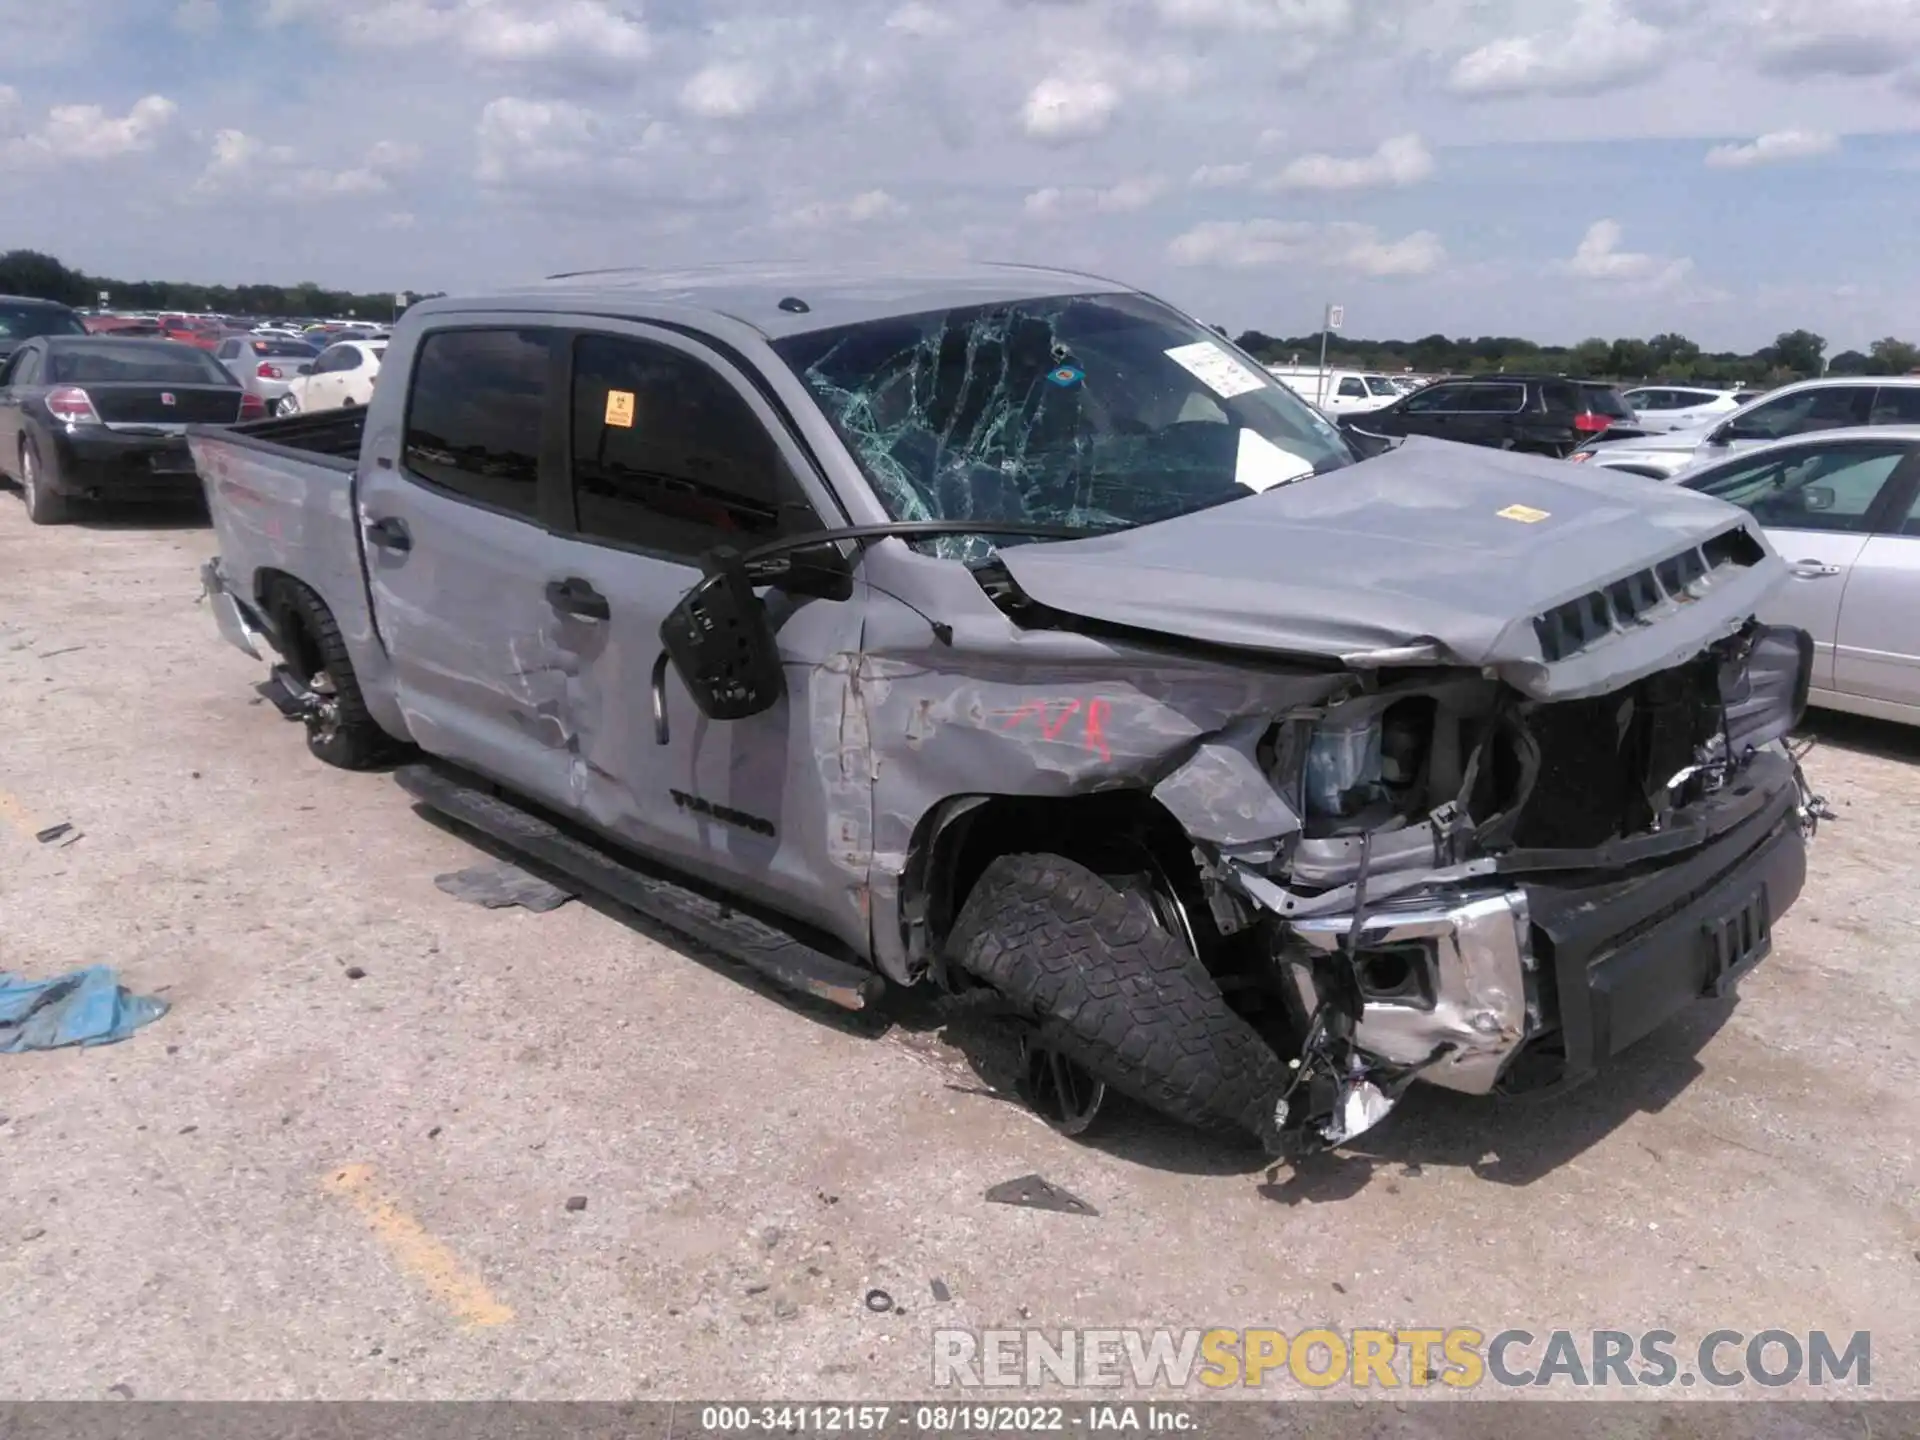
[(829, 294)]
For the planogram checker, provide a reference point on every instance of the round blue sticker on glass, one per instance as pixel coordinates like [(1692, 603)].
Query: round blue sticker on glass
[(1065, 375)]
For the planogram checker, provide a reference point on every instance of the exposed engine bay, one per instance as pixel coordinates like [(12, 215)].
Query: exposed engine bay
[(1395, 916)]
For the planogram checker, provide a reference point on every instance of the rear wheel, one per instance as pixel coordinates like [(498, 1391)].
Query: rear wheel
[(1111, 988), (286, 405), (45, 505), (342, 731)]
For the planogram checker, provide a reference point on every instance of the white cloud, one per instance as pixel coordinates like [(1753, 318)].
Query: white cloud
[(1220, 177), (727, 91), (555, 147), (1129, 195), (1249, 244), (197, 17), (1065, 107), (919, 19), (1402, 160), (1605, 47), (240, 163), (1801, 38), (866, 208), (84, 133), (1324, 18), (1774, 146), (1599, 257), (590, 33)]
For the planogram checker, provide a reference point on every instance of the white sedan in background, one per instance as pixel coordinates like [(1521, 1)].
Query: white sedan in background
[(1675, 407), (343, 376), (1843, 509)]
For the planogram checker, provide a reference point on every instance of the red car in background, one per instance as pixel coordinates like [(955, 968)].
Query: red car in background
[(201, 334)]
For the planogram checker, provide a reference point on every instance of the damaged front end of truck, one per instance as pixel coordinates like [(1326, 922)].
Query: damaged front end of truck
[(1497, 850)]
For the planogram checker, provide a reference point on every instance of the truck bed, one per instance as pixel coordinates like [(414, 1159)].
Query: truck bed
[(326, 434), (281, 495)]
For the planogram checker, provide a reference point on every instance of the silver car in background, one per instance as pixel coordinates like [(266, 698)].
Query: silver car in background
[(265, 365), (1806, 408), (1842, 508)]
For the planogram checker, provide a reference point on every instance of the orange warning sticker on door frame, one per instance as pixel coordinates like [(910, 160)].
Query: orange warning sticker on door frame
[(620, 408)]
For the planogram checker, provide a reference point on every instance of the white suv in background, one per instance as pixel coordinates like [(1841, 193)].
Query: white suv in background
[(1800, 409), (1676, 407)]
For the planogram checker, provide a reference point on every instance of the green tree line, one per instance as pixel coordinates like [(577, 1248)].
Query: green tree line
[(1794, 355), (28, 272)]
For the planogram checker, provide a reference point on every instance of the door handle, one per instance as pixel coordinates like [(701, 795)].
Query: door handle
[(574, 596), (390, 533), (1812, 569)]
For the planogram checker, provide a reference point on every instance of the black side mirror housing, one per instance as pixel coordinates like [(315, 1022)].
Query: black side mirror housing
[(722, 644)]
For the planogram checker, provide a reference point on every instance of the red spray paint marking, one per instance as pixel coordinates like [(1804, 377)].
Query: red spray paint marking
[(1055, 715)]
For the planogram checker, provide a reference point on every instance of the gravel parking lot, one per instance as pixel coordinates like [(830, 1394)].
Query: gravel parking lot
[(299, 1184)]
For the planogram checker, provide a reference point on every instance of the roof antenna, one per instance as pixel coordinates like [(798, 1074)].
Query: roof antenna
[(794, 305)]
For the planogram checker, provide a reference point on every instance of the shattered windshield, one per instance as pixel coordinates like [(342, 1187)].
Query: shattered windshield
[(1097, 410)]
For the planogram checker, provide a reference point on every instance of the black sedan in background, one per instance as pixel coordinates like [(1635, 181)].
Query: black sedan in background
[(101, 417)]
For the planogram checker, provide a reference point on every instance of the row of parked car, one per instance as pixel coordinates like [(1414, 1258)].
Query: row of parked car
[(99, 411)]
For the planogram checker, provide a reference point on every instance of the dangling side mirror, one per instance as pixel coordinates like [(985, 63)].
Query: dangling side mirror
[(722, 644)]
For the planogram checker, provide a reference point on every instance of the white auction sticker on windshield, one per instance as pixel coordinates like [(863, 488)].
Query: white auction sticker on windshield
[(1216, 369)]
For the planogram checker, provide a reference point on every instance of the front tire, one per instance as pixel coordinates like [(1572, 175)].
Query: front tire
[(45, 505), (1114, 990)]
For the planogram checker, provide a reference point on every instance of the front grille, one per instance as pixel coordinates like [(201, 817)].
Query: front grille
[(1642, 597), (1604, 762)]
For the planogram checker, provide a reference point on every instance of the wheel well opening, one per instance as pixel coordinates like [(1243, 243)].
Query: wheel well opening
[(277, 592), (1115, 831)]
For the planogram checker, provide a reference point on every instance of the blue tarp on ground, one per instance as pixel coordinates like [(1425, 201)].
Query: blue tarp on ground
[(86, 1007)]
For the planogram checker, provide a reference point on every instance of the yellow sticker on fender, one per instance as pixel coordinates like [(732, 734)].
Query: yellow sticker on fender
[(1525, 514), (620, 408)]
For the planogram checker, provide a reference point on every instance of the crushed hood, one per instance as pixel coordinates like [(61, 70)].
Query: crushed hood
[(1557, 576)]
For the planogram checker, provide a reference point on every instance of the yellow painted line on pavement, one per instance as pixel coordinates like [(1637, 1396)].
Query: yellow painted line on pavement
[(422, 1257), (15, 814)]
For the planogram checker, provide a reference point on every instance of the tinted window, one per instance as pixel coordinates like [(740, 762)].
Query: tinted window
[(1896, 405), (27, 371), (1911, 525), (106, 361), (23, 322), (1491, 397), (229, 350), (1435, 398), (1807, 487), (1650, 399), (1605, 400), (1825, 408), (475, 413), (668, 455), (1351, 387)]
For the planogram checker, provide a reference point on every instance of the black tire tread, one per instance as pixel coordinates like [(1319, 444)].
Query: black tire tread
[(1116, 992), (45, 505), (358, 742)]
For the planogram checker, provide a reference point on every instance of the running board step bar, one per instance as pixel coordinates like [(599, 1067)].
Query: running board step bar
[(780, 957)]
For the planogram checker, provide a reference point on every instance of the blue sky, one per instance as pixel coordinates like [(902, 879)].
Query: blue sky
[(1548, 168)]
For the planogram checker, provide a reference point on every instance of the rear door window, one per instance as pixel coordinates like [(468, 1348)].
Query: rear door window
[(1896, 405), (1490, 397), (668, 456), (1436, 399), (475, 415)]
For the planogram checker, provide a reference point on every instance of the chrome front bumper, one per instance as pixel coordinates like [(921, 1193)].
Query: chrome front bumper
[(1477, 994)]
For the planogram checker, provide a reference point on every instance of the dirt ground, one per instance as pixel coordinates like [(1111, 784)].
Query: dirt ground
[(299, 1184)]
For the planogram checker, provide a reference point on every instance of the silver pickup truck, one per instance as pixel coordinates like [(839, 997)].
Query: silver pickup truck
[(1007, 631)]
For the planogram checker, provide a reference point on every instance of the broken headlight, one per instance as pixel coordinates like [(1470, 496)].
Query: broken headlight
[(1344, 760)]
